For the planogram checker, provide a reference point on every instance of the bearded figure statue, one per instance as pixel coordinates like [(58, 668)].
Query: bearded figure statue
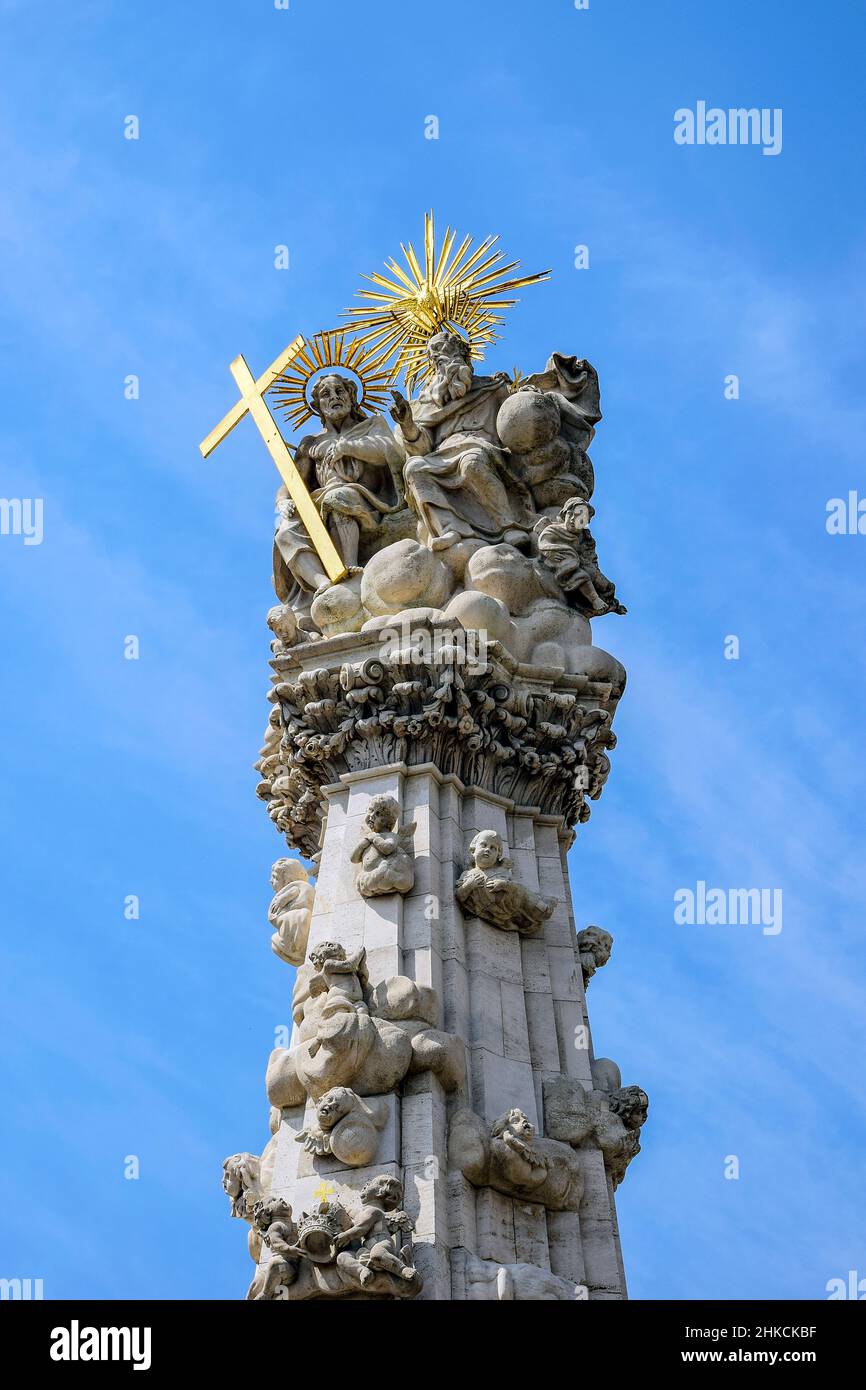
[(352, 468), (457, 477)]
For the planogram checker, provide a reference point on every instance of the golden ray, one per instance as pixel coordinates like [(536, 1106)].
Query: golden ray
[(332, 348), (465, 293)]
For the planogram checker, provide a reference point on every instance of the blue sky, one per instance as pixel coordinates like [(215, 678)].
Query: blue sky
[(305, 127)]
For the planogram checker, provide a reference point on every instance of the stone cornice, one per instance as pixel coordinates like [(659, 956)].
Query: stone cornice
[(532, 736)]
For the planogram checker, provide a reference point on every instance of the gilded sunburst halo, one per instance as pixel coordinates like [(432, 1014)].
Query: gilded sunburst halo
[(461, 289), (333, 349)]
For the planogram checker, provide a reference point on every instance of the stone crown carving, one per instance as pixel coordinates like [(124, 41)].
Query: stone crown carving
[(331, 1253)]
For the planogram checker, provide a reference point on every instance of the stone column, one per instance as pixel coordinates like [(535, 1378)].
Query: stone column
[(440, 1008)]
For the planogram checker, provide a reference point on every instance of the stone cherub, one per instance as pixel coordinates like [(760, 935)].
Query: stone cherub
[(242, 1184), (384, 851), (291, 910), (338, 984), (347, 1127), (277, 1233), (594, 946), (488, 890), (351, 1033), (510, 1157), (382, 1236), (283, 623), (567, 548), (329, 1253), (609, 1117), (247, 1179)]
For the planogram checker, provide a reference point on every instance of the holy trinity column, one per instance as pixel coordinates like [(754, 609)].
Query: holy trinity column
[(441, 1127)]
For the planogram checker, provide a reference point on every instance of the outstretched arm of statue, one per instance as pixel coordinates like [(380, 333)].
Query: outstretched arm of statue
[(401, 413), (414, 437), (329, 451), (279, 1239), (397, 480), (376, 447), (292, 1253)]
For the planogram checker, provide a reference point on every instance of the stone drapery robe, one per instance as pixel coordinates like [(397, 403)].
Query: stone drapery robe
[(361, 485), (451, 437)]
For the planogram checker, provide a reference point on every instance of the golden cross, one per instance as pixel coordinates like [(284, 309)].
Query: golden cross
[(253, 401), (323, 1191)]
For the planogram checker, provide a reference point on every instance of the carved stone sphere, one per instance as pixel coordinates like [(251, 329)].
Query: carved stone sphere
[(404, 575), (526, 420), (338, 609)]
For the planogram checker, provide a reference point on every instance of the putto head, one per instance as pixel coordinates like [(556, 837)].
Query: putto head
[(631, 1104), (283, 624), (577, 513), (325, 951), (269, 1210), (333, 1105), (487, 849), (286, 871), (383, 1191), (240, 1181), (513, 1122), (382, 813), (596, 942)]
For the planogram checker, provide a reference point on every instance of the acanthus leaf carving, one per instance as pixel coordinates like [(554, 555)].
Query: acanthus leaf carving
[(535, 744)]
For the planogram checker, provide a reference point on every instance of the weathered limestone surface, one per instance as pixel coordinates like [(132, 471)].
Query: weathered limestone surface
[(441, 721)]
